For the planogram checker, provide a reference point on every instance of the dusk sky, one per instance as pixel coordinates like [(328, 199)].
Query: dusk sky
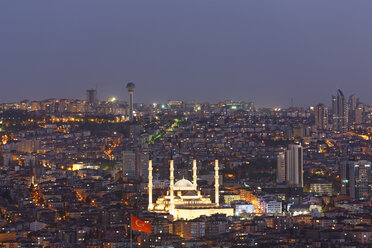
[(261, 51)]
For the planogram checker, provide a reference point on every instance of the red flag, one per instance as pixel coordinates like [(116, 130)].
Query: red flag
[(140, 225)]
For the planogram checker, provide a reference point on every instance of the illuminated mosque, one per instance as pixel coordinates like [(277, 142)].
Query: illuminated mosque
[(183, 199)]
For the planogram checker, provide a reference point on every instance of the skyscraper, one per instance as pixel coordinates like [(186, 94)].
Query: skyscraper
[(358, 114), (334, 104), (290, 166), (135, 164), (321, 117), (130, 88), (91, 96), (280, 168), (353, 109), (356, 179), (142, 158), (129, 164), (294, 165), (340, 112), (91, 103), (353, 101)]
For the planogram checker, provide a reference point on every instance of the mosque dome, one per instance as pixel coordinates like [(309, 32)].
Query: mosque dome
[(183, 183)]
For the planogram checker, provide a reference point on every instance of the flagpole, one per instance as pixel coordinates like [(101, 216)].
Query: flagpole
[(131, 238)]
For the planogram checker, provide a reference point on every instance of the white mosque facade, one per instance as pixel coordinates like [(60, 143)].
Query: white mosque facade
[(183, 199)]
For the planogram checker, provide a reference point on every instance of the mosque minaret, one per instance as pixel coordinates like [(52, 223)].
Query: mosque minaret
[(194, 174), (216, 183), (151, 205)]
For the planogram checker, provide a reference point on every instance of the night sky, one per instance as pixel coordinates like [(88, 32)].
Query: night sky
[(261, 51)]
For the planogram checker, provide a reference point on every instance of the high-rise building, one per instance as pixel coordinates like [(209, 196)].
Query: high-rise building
[(92, 101), (340, 112), (130, 88), (142, 159), (290, 166), (356, 179), (91, 96), (353, 101), (280, 168), (135, 164), (294, 165), (321, 117), (354, 113), (358, 114), (129, 164), (334, 104)]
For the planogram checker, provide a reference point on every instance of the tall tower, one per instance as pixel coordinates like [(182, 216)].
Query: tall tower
[(129, 164), (358, 114), (340, 112), (354, 110), (216, 183), (130, 88), (294, 165), (290, 166), (353, 101), (280, 168), (151, 206), (142, 158), (321, 117), (92, 96), (92, 101)]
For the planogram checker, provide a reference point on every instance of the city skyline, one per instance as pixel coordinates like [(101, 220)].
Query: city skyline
[(248, 51), (126, 99)]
